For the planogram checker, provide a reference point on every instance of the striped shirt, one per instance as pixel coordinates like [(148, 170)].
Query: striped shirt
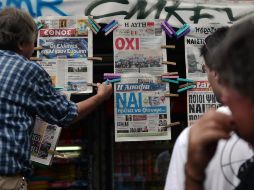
[(26, 91)]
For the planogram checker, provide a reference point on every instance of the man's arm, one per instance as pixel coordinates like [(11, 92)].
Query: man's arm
[(193, 181), (203, 138), (104, 91)]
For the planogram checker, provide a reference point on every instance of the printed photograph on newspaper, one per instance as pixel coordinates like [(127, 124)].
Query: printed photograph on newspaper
[(137, 47), (142, 112), (63, 48), (72, 74), (66, 44), (199, 100), (44, 138)]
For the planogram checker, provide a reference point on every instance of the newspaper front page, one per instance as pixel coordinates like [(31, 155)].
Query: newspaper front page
[(142, 111), (200, 99), (66, 45), (44, 138), (193, 43), (137, 47)]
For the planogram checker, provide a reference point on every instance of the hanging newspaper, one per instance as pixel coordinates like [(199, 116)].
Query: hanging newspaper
[(193, 43), (137, 47), (200, 99), (66, 45), (141, 109), (44, 138)]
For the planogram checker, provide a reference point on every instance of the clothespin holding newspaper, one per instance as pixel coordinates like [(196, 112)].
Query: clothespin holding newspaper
[(91, 84), (173, 124), (95, 58), (40, 25), (168, 29), (185, 29), (170, 95), (169, 74), (35, 59), (168, 47), (189, 85), (169, 63), (110, 27), (113, 81), (55, 153), (112, 77), (171, 33), (93, 25), (38, 48), (170, 77)]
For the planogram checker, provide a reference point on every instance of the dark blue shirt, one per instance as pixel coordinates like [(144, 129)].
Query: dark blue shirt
[(26, 91)]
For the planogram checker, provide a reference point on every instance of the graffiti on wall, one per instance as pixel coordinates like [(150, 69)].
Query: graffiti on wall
[(178, 11), (35, 7)]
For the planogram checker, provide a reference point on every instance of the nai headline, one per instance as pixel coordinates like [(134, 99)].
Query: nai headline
[(141, 109)]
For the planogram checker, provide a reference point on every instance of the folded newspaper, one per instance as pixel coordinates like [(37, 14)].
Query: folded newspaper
[(44, 140)]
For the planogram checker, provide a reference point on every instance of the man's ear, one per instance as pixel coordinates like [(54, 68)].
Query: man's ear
[(216, 76), (20, 47), (224, 96)]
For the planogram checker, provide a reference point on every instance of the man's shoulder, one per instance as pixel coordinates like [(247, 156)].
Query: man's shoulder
[(183, 138), (18, 61), (224, 109)]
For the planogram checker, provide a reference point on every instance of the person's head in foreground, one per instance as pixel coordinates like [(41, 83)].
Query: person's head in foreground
[(233, 60), (17, 31), (211, 42)]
